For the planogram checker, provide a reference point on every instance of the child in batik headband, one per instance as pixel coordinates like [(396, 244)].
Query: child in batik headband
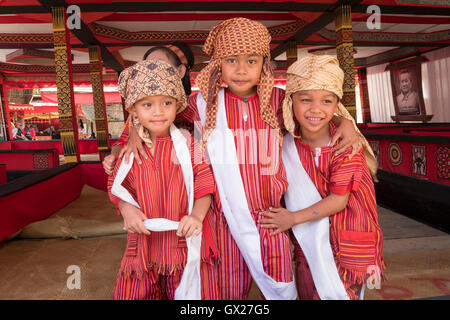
[(344, 206), (145, 80), (168, 189)]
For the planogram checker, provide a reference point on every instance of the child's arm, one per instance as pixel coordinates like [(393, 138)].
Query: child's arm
[(132, 217), (350, 138), (128, 142), (135, 144), (194, 222), (282, 219)]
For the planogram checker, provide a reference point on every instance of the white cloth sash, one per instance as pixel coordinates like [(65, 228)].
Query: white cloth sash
[(222, 153), (313, 237), (190, 284)]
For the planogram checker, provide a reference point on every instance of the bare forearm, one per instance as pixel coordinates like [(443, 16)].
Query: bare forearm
[(324, 208), (201, 207)]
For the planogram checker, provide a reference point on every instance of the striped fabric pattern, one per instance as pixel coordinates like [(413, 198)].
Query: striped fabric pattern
[(158, 186), (355, 235), (264, 179)]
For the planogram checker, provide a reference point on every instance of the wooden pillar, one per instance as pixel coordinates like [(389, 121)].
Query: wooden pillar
[(291, 52), (101, 118), (364, 93), (66, 104), (344, 50), (5, 108)]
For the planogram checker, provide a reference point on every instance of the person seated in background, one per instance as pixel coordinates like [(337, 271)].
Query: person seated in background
[(18, 134), (29, 131), (56, 135), (49, 131)]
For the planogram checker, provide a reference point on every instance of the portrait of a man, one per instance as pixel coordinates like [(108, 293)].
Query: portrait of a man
[(407, 98)]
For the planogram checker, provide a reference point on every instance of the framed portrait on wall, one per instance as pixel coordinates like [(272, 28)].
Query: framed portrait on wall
[(406, 82)]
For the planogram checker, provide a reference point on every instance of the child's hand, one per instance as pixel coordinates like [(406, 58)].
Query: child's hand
[(133, 218), (108, 164), (277, 218), (350, 138), (135, 145), (188, 225)]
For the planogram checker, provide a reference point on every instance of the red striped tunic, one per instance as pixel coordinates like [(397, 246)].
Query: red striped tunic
[(355, 235), (158, 186), (264, 180)]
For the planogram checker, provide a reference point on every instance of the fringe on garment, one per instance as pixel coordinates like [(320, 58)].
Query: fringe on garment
[(361, 275), (131, 268)]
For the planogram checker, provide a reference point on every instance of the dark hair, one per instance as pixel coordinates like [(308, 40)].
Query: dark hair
[(186, 80)]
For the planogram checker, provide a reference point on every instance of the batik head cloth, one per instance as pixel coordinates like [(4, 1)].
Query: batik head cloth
[(232, 37), (151, 78), (320, 73)]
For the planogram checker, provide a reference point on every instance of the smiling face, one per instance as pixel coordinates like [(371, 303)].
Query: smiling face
[(241, 73), (314, 109), (156, 113)]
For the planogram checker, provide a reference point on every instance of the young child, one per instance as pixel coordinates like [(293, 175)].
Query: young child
[(160, 192), (250, 106), (180, 56), (344, 210), (240, 134)]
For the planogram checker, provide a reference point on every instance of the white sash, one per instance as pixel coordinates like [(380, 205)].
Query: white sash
[(222, 152), (190, 284), (313, 237)]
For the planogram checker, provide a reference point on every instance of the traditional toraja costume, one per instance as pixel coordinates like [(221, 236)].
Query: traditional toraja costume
[(180, 123), (247, 167), (342, 251), (164, 188)]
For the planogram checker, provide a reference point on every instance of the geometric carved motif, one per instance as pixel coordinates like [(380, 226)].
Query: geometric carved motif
[(443, 162), (344, 52), (419, 160), (395, 154), (40, 161), (63, 83), (375, 145)]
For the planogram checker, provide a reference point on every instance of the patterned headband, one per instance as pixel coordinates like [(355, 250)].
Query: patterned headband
[(151, 78), (179, 53)]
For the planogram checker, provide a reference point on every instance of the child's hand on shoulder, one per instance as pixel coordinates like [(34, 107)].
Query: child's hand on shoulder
[(279, 219), (189, 225), (133, 218)]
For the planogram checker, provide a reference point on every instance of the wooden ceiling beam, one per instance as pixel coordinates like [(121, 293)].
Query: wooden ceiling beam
[(149, 44), (207, 6), (323, 20)]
